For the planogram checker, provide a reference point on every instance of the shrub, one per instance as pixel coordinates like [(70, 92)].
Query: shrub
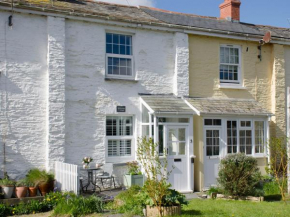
[(79, 206), (5, 210), (134, 168), (6, 182), (239, 175), (174, 198), (128, 202)]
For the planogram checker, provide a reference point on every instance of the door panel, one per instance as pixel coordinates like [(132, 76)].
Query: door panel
[(177, 147)]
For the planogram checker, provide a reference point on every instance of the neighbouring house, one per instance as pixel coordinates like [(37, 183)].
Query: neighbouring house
[(83, 78)]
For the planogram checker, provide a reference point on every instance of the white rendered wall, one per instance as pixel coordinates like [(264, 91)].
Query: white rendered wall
[(56, 91), (23, 88), (54, 96), (181, 72)]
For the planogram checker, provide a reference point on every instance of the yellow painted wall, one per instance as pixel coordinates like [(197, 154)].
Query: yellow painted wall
[(264, 81), (204, 70)]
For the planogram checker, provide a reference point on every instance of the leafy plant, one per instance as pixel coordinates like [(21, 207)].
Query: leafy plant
[(7, 182), (37, 176), (128, 202), (239, 175), (279, 160), (156, 186), (21, 183), (79, 206), (213, 189), (5, 210), (134, 168)]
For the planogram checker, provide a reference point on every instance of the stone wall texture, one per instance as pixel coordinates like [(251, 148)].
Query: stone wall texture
[(54, 96)]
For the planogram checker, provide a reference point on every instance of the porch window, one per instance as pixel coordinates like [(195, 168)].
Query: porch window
[(119, 132), (230, 64), (259, 137), (119, 56), (232, 137)]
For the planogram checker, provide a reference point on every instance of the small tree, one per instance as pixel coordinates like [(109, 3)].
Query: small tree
[(156, 172), (239, 174), (278, 164)]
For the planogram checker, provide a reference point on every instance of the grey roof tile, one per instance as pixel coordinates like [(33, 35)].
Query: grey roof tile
[(167, 104), (228, 106)]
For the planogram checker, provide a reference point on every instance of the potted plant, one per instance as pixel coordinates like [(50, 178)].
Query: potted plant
[(160, 200), (21, 188), (32, 189), (7, 187), (134, 176), (86, 162), (171, 203), (43, 179)]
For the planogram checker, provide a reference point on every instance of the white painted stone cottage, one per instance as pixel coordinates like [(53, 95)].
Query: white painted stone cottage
[(81, 78), (63, 76)]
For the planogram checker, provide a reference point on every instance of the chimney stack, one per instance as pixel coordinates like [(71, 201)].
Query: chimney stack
[(230, 10)]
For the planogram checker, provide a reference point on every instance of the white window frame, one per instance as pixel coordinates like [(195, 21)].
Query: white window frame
[(120, 159), (230, 83), (223, 134), (125, 77)]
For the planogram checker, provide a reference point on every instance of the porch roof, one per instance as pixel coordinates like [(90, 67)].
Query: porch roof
[(227, 106), (167, 104)]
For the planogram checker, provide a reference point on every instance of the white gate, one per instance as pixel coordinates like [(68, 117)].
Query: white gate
[(67, 177)]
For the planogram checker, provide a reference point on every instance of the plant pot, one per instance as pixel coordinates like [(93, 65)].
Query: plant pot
[(167, 211), (8, 191), (130, 180), (45, 188), (32, 191), (21, 192)]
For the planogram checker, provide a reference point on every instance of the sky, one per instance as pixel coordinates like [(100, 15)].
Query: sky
[(264, 12)]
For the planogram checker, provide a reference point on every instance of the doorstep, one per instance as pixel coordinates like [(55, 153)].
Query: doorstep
[(14, 201)]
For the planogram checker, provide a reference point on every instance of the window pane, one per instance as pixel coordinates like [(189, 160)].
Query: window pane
[(116, 39), (259, 137), (161, 139), (212, 142), (123, 49), (123, 124), (122, 39), (181, 148), (145, 114), (128, 40), (121, 66), (109, 48), (112, 148), (208, 122), (109, 38), (125, 148)]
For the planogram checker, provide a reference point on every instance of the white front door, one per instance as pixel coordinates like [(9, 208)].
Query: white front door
[(178, 160), (212, 150)]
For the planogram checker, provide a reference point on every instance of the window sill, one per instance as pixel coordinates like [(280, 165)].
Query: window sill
[(122, 79), (231, 86), (260, 156)]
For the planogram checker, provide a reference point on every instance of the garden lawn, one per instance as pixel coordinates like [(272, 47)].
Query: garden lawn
[(198, 207)]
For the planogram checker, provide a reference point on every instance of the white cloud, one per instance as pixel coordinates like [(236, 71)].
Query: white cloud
[(149, 3)]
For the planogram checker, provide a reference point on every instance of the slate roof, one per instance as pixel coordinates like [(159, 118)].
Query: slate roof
[(151, 16), (215, 23), (167, 104), (228, 106)]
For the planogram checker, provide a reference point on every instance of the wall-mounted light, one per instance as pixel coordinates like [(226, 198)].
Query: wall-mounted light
[(10, 21)]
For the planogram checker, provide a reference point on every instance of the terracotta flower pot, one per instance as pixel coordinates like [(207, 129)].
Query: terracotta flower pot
[(32, 191), (21, 192), (46, 187)]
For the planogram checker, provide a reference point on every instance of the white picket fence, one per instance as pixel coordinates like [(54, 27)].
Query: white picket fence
[(67, 177)]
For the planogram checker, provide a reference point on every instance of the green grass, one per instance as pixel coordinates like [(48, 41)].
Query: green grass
[(211, 208)]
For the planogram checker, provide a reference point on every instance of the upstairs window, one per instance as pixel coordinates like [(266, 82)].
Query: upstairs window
[(119, 56), (230, 68)]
